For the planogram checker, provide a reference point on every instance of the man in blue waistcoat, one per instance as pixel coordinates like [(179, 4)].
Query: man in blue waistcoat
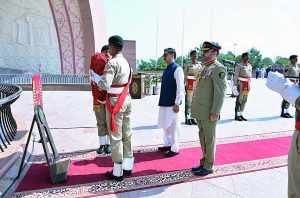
[(170, 101)]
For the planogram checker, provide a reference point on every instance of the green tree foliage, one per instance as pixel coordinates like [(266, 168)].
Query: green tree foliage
[(255, 57), (265, 62), (281, 60)]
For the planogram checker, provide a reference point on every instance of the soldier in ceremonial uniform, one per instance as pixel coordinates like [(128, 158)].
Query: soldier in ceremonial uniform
[(242, 77), (207, 103), (291, 93), (190, 69), (292, 70), (98, 62), (116, 79)]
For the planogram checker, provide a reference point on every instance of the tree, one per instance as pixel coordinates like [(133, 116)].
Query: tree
[(255, 57), (265, 62), (282, 61)]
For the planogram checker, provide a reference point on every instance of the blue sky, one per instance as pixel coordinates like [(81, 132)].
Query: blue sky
[(272, 26)]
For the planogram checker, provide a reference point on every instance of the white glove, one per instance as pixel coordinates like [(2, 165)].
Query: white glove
[(96, 78), (91, 76), (235, 91), (277, 82), (288, 90), (291, 94)]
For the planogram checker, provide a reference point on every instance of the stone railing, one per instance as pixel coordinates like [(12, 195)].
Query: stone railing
[(9, 93), (26, 79)]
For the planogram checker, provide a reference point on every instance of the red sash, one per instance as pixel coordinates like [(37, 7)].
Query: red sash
[(114, 110), (191, 83), (297, 125), (245, 84)]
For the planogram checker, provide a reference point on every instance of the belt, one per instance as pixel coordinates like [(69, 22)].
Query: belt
[(191, 78), (244, 79)]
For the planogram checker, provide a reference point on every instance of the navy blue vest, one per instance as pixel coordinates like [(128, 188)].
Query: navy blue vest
[(168, 86)]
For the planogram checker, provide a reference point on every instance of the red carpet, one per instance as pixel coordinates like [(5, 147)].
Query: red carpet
[(91, 170)]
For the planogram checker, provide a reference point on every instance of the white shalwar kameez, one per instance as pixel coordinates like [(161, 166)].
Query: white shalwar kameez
[(170, 121)]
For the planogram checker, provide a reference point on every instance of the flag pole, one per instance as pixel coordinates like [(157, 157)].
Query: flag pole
[(182, 42)]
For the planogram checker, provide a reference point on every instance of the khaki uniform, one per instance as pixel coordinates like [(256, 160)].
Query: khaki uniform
[(101, 122), (242, 76), (290, 71), (190, 70), (208, 98), (294, 159), (117, 71)]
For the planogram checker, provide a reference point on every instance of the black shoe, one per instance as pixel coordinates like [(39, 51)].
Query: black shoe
[(290, 116), (203, 172), (101, 149), (109, 175), (239, 118), (189, 122), (197, 168), (194, 122), (164, 148), (127, 172), (107, 149), (285, 115), (171, 154), (244, 119)]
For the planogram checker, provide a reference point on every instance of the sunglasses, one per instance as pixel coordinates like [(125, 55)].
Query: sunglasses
[(165, 55)]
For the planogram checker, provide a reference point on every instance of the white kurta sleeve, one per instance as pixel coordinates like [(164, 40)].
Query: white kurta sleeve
[(179, 77)]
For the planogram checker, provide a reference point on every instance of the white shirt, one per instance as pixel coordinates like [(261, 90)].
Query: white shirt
[(166, 114)]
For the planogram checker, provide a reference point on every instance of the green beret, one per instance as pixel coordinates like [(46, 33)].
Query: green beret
[(104, 48), (293, 57), (116, 40), (210, 45)]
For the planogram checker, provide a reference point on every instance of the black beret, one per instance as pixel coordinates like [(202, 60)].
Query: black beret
[(293, 57), (104, 48), (210, 45), (193, 52), (245, 54), (116, 40)]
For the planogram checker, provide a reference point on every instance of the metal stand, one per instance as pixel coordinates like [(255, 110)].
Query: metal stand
[(58, 168)]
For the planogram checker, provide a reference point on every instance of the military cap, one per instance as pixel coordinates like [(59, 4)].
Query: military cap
[(210, 45), (293, 57), (116, 40), (245, 54), (104, 48)]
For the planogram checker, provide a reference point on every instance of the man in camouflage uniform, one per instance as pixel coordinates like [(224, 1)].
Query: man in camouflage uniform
[(116, 79), (98, 62), (190, 69), (242, 78), (291, 93), (292, 70), (207, 103)]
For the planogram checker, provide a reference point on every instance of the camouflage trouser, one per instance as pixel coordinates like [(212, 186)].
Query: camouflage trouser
[(121, 139), (101, 120), (294, 167), (207, 136), (188, 103)]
